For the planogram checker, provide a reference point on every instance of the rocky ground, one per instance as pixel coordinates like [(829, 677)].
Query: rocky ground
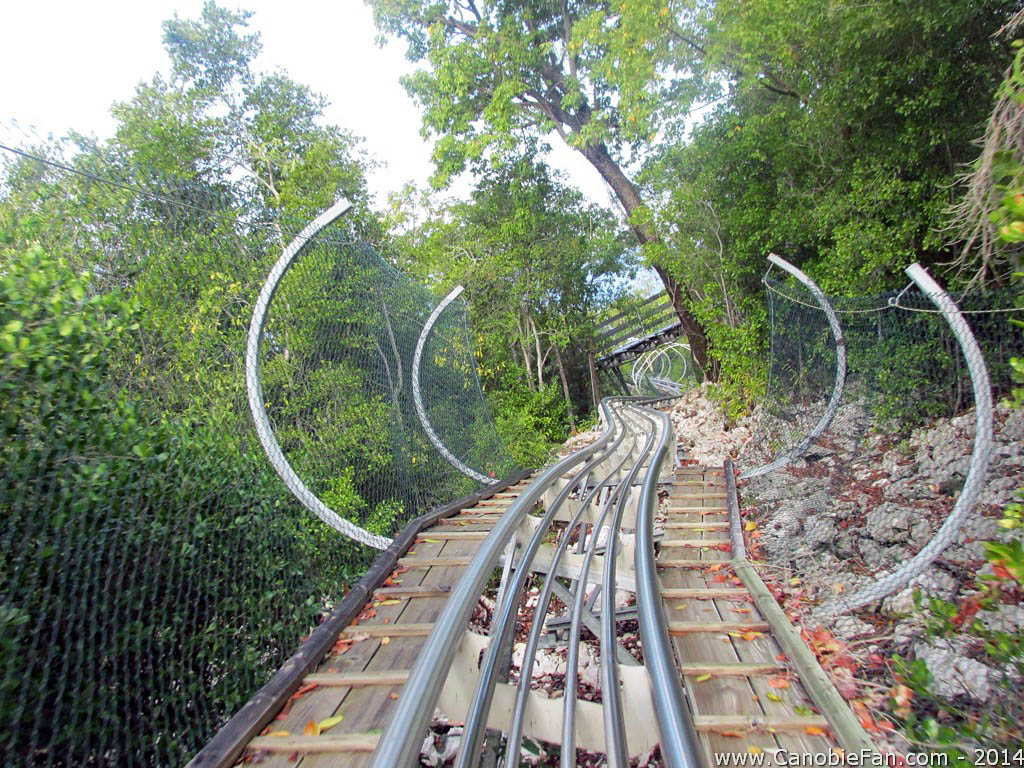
[(860, 503)]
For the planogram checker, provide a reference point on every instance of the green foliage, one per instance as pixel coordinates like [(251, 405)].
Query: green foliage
[(531, 423), (101, 485), (946, 724), (538, 265)]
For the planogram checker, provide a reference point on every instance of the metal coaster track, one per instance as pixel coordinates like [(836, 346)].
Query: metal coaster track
[(710, 652)]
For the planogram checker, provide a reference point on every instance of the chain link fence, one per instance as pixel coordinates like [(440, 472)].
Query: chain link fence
[(154, 570)]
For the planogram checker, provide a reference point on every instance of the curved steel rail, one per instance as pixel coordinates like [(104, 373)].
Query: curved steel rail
[(401, 741), (595, 468), (679, 744), (255, 390), (978, 467), (837, 388), (421, 412)]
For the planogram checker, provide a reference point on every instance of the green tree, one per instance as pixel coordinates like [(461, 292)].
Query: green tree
[(538, 263), (502, 74)]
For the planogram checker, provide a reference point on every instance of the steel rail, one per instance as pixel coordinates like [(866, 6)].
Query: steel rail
[(572, 661), (503, 623), (514, 738), (400, 743), (417, 397), (837, 387), (616, 751), (680, 747)]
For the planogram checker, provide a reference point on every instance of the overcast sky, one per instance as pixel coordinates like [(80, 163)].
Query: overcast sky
[(64, 63)]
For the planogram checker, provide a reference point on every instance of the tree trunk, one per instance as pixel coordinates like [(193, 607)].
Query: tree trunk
[(628, 195), (565, 387)]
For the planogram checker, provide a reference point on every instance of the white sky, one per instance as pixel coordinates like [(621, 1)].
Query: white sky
[(62, 64)]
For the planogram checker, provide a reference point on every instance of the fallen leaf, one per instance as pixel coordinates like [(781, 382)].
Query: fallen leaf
[(431, 541), (329, 722), (702, 678), (393, 696), (385, 640), (741, 610), (795, 581), (719, 578), (780, 657), (814, 730), (750, 526), (311, 729), (748, 636), (803, 711), (716, 567), (732, 734), (303, 690), (778, 682), (279, 734), (755, 750), (773, 696), (389, 602)]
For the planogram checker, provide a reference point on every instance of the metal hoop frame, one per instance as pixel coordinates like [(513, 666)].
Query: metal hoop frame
[(255, 390), (418, 399), (837, 387)]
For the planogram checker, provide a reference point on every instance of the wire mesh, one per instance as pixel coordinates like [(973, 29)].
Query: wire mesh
[(154, 571), (837, 502)]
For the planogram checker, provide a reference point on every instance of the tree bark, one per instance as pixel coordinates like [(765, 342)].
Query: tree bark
[(627, 194), (565, 387)]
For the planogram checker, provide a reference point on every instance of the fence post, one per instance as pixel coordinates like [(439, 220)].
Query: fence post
[(418, 398), (837, 387), (255, 390), (979, 456)]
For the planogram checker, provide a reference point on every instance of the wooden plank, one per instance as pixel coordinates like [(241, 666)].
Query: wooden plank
[(710, 525), (325, 744), (684, 627), (720, 723), (389, 630), (704, 594), (692, 543), (368, 708), (452, 535), (708, 510), (429, 562), (355, 679), (734, 669), (720, 694), (411, 592), (683, 563)]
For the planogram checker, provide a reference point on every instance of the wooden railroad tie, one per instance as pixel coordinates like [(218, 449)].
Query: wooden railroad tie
[(389, 630), (430, 562), (731, 669), (325, 745), (693, 543), (704, 594), (753, 723), (358, 679), (690, 627), (389, 593)]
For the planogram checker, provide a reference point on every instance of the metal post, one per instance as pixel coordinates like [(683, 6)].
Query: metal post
[(979, 457), (837, 387), (418, 398), (255, 391)]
